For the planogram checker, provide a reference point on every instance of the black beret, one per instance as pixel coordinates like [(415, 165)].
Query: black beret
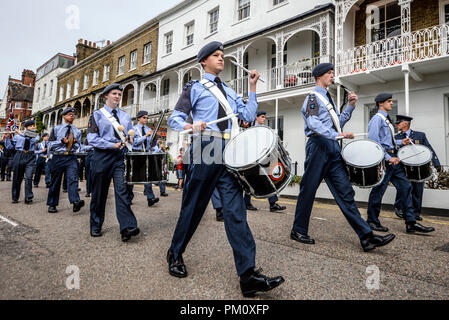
[(261, 113), (114, 86), (68, 110), (29, 123), (400, 118), (45, 135), (208, 49), (141, 114), (383, 97), (321, 69)]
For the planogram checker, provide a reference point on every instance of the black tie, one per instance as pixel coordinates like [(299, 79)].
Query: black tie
[(114, 113), (27, 144), (69, 128), (221, 111), (328, 95), (389, 119), (143, 135)]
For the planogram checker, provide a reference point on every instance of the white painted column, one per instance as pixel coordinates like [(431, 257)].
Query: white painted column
[(277, 116), (338, 95), (407, 92)]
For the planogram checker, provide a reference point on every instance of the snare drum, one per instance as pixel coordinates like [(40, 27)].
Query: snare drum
[(365, 163), (259, 161), (417, 162), (145, 167)]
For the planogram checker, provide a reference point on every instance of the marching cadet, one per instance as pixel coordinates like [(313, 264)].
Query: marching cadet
[(41, 161), (202, 178), (403, 125), (141, 143), (64, 140), (107, 133), (381, 130), (323, 124), (24, 163), (217, 205), (85, 147), (8, 157), (274, 207)]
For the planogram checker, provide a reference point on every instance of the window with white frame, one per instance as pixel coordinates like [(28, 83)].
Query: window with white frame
[(51, 88), (96, 77), (444, 11), (38, 94), (61, 93), (133, 59), (189, 33), (165, 87), (384, 20), (243, 10), (45, 91), (168, 42), (121, 66), (18, 105), (277, 2), (106, 72), (371, 110), (69, 90), (213, 20), (86, 82), (147, 53), (76, 87)]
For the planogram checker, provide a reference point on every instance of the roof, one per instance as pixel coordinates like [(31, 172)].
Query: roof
[(20, 92)]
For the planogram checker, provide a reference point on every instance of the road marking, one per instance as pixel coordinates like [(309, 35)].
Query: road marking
[(319, 218), (8, 221)]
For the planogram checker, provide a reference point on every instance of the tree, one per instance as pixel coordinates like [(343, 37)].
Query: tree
[(40, 126)]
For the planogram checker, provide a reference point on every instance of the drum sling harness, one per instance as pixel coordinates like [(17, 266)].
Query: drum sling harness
[(116, 125), (224, 103), (331, 110), (391, 129)]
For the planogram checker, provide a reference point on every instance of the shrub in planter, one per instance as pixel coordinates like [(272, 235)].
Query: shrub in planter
[(295, 180)]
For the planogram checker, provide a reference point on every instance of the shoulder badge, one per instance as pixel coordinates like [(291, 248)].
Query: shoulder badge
[(312, 106), (188, 85)]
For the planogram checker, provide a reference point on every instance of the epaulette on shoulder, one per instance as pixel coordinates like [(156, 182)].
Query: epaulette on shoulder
[(189, 84)]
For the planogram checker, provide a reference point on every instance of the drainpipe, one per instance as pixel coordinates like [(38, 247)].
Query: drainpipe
[(276, 117), (407, 89)]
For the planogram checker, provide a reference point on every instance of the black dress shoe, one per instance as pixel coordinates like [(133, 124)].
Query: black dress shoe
[(15, 201), (176, 268), (128, 233), (152, 202), (301, 238), (250, 207), (276, 207), (220, 217), (164, 194), (30, 201), (418, 218), (65, 191), (257, 282), (399, 213), (96, 233), (52, 210), (375, 241), (48, 186), (36, 186), (78, 205), (378, 227), (87, 195), (416, 227)]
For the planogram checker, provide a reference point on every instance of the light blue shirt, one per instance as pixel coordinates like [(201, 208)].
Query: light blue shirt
[(58, 133), (101, 131), (203, 106), (40, 148), (322, 124), (19, 141), (9, 143), (379, 131), (140, 140)]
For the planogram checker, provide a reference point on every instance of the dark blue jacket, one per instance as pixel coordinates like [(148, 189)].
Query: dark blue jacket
[(420, 138)]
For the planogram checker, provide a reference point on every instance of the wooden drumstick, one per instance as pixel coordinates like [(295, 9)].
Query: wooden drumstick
[(244, 69), (355, 135), (212, 122)]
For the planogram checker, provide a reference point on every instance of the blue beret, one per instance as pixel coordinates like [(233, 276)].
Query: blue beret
[(114, 86), (68, 110), (208, 49), (45, 135), (383, 97), (29, 123), (260, 113), (400, 118), (321, 69), (140, 114)]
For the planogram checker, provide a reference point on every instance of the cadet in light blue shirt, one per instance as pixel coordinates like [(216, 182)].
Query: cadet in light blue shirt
[(379, 131), (24, 163), (64, 140), (324, 161), (8, 157), (108, 157), (41, 161)]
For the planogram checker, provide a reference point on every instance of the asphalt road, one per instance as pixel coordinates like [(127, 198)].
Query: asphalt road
[(41, 254)]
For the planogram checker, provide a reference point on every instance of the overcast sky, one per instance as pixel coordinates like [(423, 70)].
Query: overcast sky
[(32, 31)]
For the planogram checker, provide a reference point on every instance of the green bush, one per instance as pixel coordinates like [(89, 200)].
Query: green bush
[(295, 180)]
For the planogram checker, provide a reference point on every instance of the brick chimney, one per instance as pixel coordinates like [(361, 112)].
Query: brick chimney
[(84, 50), (28, 77)]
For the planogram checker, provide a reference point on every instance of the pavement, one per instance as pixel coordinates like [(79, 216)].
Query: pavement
[(42, 255)]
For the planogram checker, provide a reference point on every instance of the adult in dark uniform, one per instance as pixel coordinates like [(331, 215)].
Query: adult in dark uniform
[(403, 125), (324, 161), (203, 177), (64, 140), (24, 163), (109, 165), (381, 130), (41, 160), (8, 157)]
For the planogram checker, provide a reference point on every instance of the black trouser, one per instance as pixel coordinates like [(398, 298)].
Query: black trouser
[(24, 164), (40, 166)]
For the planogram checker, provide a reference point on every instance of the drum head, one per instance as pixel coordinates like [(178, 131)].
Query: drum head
[(363, 153), (249, 147), (415, 155)]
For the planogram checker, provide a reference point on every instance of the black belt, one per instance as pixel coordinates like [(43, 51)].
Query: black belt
[(392, 151), (26, 152), (63, 153)]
